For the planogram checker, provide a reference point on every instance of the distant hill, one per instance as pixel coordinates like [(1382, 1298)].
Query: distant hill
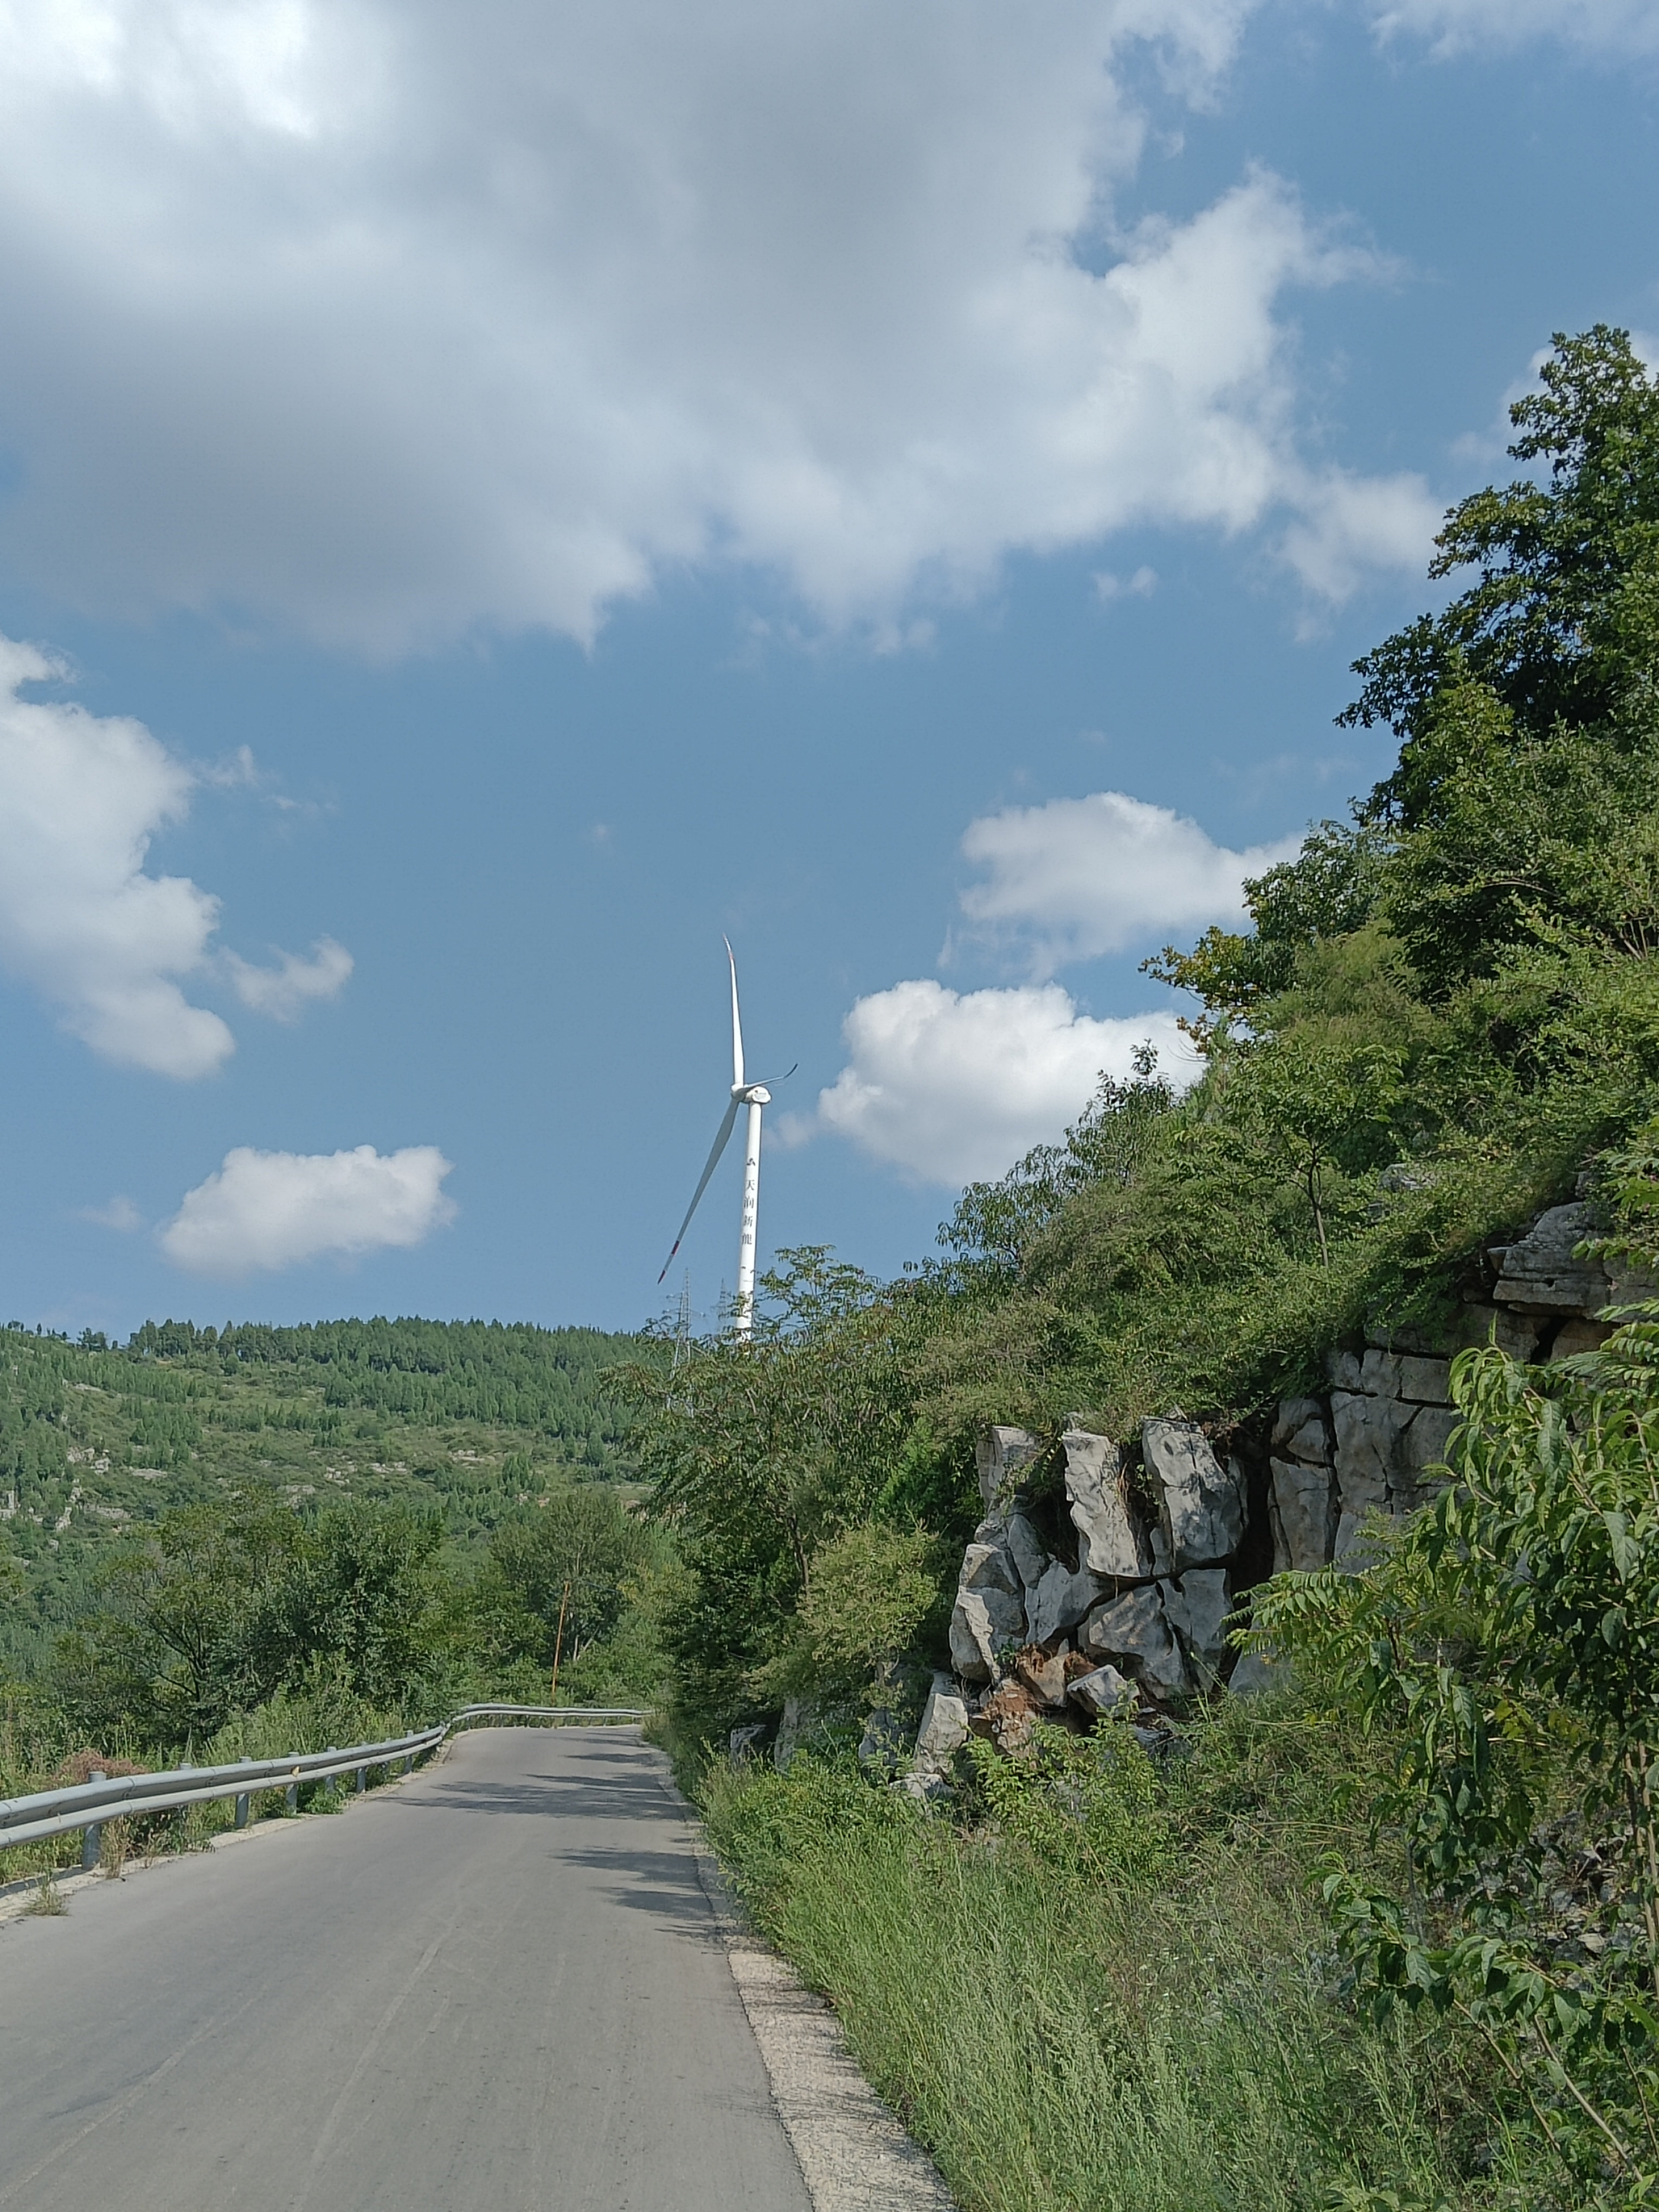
[(477, 1418)]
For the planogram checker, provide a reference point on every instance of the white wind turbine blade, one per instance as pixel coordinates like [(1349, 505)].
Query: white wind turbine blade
[(737, 1025), (720, 1142)]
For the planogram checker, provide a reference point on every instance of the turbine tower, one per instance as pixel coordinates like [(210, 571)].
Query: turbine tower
[(754, 1096)]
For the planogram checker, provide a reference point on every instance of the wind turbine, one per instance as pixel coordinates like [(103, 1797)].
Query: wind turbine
[(754, 1096)]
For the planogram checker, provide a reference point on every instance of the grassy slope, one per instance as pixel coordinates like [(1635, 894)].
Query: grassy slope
[(1140, 2018)]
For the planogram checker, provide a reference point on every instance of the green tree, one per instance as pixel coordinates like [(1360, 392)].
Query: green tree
[(574, 1554)]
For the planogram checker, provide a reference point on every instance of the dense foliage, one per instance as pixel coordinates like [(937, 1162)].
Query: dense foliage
[(1444, 1008), (1443, 1018), (471, 1421)]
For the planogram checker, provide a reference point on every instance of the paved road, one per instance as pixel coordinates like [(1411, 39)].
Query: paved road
[(497, 1985)]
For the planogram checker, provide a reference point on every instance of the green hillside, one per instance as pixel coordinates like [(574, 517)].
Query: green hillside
[(97, 1440)]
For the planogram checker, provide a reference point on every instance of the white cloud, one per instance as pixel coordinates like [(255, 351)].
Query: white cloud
[(387, 320), (1140, 585), (1454, 26), (1082, 877), (268, 1210), (1348, 523), (120, 1213), (82, 796), (283, 992), (952, 1088)]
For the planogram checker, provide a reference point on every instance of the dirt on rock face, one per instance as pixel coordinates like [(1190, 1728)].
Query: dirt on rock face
[(1009, 1716)]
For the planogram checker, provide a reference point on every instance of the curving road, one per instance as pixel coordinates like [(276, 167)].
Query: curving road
[(497, 1987)]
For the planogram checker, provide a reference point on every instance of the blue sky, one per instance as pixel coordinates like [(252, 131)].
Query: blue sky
[(504, 497)]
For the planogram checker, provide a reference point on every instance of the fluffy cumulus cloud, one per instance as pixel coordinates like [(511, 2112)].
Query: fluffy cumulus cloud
[(951, 1087), (268, 1210), (1083, 876), (387, 320), (80, 797)]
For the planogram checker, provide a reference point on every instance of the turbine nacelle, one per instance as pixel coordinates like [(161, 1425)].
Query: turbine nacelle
[(751, 1094)]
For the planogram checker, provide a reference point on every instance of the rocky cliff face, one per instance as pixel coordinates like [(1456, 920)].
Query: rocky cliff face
[(1115, 1583)]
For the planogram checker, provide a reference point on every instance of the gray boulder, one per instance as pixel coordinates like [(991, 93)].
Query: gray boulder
[(1428, 1380), (797, 1719), (1300, 1431), (1201, 1504), (1102, 1691), (1255, 1673), (1026, 1549), (745, 1742), (943, 1732), (1303, 1505), (1113, 1543), (1197, 1607), (1061, 1599), (989, 1567), (983, 1622), (1000, 1457), (1539, 1271), (1383, 1447), (1131, 1631)]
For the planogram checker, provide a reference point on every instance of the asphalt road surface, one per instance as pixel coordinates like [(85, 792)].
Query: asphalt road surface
[(497, 1985)]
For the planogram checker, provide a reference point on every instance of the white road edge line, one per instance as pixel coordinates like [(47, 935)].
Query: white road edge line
[(853, 2154)]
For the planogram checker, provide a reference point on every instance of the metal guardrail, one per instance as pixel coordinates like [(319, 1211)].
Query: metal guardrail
[(88, 1805)]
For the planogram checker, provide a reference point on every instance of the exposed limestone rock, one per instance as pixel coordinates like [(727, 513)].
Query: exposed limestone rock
[(745, 1743), (943, 1732), (1197, 1607), (1255, 1673), (1345, 1370), (1379, 1372), (1201, 1504), (987, 1566), (1540, 1272), (1103, 1690), (1061, 1599), (1301, 1433), (1302, 1505), (1574, 1337), (1514, 1333), (983, 1623), (1428, 1380), (797, 1718), (1001, 1456), (1027, 1549), (1112, 1542), (1043, 1673), (1131, 1629)]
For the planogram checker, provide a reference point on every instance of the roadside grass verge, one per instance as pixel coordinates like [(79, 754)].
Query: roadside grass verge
[(1105, 1989)]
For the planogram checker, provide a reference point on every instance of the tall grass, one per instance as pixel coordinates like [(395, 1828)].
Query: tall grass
[(1137, 2016)]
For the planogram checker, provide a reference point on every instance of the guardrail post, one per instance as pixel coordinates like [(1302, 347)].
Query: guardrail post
[(362, 1779), (244, 1802), (91, 1836), (292, 1794)]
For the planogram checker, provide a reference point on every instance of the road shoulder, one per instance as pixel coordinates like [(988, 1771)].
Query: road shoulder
[(853, 2154)]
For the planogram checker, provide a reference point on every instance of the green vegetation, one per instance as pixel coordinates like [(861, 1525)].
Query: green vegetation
[(267, 1540), (1390, 1938), (471, 1421)]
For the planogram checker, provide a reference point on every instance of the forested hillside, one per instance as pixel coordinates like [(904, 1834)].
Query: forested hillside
[(97, 1442)]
